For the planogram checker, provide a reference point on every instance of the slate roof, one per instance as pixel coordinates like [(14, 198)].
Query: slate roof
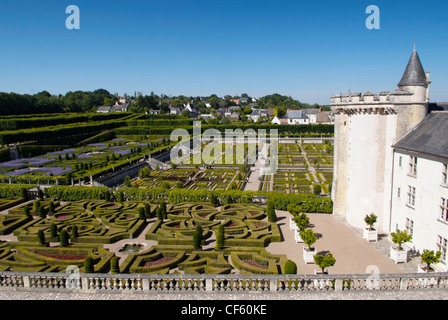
[(414, 75), (296, 114), (429, 137)]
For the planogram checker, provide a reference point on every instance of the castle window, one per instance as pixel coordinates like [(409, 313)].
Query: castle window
[(441, 246), (409, 227), (398, 192), (411, 196), (444, 209), (400, 160), (445, 174), (413, 166)]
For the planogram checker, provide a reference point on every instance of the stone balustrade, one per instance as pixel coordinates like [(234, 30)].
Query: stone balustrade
[(147, 283)]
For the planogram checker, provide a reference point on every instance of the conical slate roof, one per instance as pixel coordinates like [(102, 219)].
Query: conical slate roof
[(414, 75)]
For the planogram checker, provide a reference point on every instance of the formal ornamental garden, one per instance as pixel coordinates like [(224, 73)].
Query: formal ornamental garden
[(192, 231), (302, 168)]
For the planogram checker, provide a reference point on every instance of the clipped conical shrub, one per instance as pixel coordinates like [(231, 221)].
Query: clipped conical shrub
[(114, 266), (88, 265), (64, 238)]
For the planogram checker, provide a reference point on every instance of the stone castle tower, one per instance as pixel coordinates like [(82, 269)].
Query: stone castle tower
[(366, 126)]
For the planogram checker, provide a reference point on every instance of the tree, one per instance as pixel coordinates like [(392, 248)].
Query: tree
[(36, 205), (64, 238), (309, 237), (41, 237), (107, 195), (317, 189), (400, 237), (163, 209), (280, 111), (88, 265), (114, 266), (302, 221), (51, 207), (120, 196), (197, 238), (42, 213), (127, 181), (147, 209), (213, 199), (141, 213), (40, 194), (324, 260), (75, 233), (429, 257), (23, 193), (159, 214), (220, 237), (290, 267), (270, 211), (370, 220), (53, 230), (26, 211)]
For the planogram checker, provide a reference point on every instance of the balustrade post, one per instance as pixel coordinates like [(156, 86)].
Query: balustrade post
[(403, 284), (26, 281), (273, 285), (338, 284), (145, 284), (84, 283), (209, 285)]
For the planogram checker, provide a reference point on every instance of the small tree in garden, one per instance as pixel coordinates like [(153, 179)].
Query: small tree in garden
[(64, 238), (324, 260), (302, 221), (40, 194), (23, 193), (41, 211), (197, 237), (120, 196), (429, 257), (107, 195), (159, 214), (88, 265), (51, 207), (370, 220), (213, 199), (114, 265), (309, 237), (270, 211), (141, 213), (317, 189), (41, 237), (163, 209), (53, 230), (400, 237), (36, 205), (127, 181), (220, 237), (290, 267), (147, 210), (26, 211), (75, 233)]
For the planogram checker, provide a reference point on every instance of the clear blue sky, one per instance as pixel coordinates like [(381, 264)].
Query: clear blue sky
[(309, 50)]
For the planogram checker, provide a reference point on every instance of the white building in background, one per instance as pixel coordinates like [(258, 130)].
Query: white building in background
[(312, 115), (366, 128), (419, 197), (297, 117)]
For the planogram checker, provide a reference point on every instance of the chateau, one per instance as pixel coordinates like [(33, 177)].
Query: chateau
[(380, 141)]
